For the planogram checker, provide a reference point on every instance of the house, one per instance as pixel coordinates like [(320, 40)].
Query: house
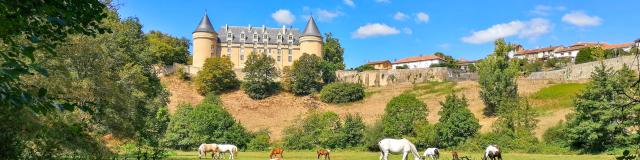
[(572, 51), (417, 62), (464, 64), (380, 65), (537, 54), (624, 46)]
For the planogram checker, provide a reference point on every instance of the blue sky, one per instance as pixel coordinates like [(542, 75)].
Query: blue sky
[(372, 30)]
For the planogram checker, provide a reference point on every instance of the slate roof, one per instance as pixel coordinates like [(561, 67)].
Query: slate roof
[(311, 29), (248, 31), (204, 25)]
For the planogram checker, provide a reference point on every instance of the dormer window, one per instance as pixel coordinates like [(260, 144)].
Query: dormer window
[(255, 37), (279, 38), (229, 36), (242, 36), (290, 37), (265, 37)]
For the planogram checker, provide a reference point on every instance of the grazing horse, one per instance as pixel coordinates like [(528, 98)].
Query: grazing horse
[(323, 152), (431, 153), (403, 146), (492, 152), (204, 148), (232, 149), (276, 151), (455, 156)]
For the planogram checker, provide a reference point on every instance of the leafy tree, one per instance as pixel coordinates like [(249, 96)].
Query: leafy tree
[(364, 67), (286, 78), (402, 67), (401, 113), (603, 115), (456, 123), (318, 129), (260, 141), (447, 61), (426, 134), (332, 52), (306, 75), (585, 55), (328, 71), (260, 72), (216, 76), (166, 49), (342, 92), (373, 134), (353, 131), (496, 76), (472, 68), (517, 118)]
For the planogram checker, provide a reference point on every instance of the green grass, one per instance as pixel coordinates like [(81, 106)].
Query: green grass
[(557, 96), (351, 155), (433, 88)]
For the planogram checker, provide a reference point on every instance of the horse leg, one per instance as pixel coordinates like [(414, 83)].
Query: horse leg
[(404, 155), (381, 155)]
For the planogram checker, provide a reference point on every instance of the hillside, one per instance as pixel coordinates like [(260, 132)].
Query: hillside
[(279, 111)]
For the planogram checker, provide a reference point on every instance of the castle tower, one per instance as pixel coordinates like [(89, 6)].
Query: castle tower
[(205, 41), (311, 40)]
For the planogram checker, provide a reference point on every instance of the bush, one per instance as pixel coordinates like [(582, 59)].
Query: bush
[(456, 122), (306, 75), (373, 134), (212, 98), (342, 93), (364, 67), (260, 141), (317, 130), (181, 73), (206, 123), (425, 135), (352, 131), (556, 135), (216, 76), (402, 67), (286, 79), (401, 113), (260, 72), (585, 55)]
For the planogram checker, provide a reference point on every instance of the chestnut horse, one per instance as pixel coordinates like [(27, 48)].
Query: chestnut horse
[(325, 153), (276, 151)]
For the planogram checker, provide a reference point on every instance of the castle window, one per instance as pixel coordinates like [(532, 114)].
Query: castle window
[(255, 37), (265, 37), (229, 36), (290, 37), (279, 58), (279, 38), (242, 57), (241, 54), (242, 36), (290, 56)]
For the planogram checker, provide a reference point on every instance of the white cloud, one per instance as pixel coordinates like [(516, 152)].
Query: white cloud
[(545, 10), (327, 16), (581, 19), (529, 29), (373, 30), (422, 17), (400, 16), (407, 30), (283, 16), (349, 3), (383, 1)]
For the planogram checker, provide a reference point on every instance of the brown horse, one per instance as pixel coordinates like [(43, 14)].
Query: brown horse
[(204, 148), (455, 155), (325, 153), (276, 151)]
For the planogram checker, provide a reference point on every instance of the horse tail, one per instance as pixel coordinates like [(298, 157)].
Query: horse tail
[(235, 151)]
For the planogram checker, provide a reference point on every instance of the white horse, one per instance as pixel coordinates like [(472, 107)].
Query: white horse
[(204, 148), (397, 146), (492, 152), (431, 153), (232, 149)]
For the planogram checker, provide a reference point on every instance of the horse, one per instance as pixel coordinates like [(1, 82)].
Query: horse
[(275, 152), (323, 152), (232, 149), (397, 146), (431, 153), (455, 156), (492, 152), (204, 148)]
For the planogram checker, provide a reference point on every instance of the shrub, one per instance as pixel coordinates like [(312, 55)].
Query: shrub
[(352, 131), (342, 93), (260, 141), (206, 123), (585, 55), (216, 76), (556, 135), (286, 79), (212, 98), (373, 134), (306, 74), (456, 122), (260, 72), (181, 73), (425, 134), (402, 67), (364, 67), (317, 130), (401, 113)]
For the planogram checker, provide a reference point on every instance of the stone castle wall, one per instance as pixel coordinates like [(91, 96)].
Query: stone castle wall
[(396, 76), (581, 72)]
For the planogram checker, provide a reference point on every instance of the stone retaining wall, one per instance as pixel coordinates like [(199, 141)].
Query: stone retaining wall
[(581, 72), (395, 76)]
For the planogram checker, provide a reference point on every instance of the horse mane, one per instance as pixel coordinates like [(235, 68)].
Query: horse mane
[(416, 155)]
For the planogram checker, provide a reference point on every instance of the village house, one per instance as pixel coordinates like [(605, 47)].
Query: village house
[(570, 52), (464, 64), (417, 62), (537, 54), (380, 65)]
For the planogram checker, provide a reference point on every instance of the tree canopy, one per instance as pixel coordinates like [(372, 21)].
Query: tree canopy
[(166, 49), (496, 76), (260, 73)]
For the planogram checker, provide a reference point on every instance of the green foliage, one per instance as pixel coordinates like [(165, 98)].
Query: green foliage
[(342, 93), (588, 54), (306, 75), (166, 49), (496, 76), (556, 135), (317, 130), (212, 98), (472, 68), (332, 52), (286, 79), (216, 76), (556, 63), (400, 115), (527, 67), (517, 117), (402, 67), (602, 114), (456, 123), (365, 67), (556, 96), (182, 73), (522, 142), (447, 61), (260, 141), (205, 123), (373, 134), (426, 135), (352, 132), (260, 72)]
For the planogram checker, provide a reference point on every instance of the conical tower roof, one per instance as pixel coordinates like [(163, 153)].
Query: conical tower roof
[(312, 28), (205, 25)]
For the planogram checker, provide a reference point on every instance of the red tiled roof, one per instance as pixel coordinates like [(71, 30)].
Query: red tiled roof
[(532, 51), (621, 45), (417, 59), (378, 62)]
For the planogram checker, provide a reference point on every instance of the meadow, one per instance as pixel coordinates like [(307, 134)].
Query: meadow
[(352, 155)]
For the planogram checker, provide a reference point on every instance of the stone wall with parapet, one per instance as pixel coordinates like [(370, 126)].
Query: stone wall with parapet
[(581, 72), (192, 70), (395, 76)]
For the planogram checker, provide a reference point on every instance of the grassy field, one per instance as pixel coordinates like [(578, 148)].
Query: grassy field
[(556, 96), (347, 155)]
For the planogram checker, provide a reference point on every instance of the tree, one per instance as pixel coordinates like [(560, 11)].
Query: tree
[(260, 141), (517, 118), (401, 113), (306, 75), (402, 67), (216, 76), (447, 61), (260, 72), (166, 49), (317, 129), (332, 52), (496, 76), (286, 79), (364, 67), (352, 131), (342, 92), (603, 115), (456, 123), (585, 55)]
